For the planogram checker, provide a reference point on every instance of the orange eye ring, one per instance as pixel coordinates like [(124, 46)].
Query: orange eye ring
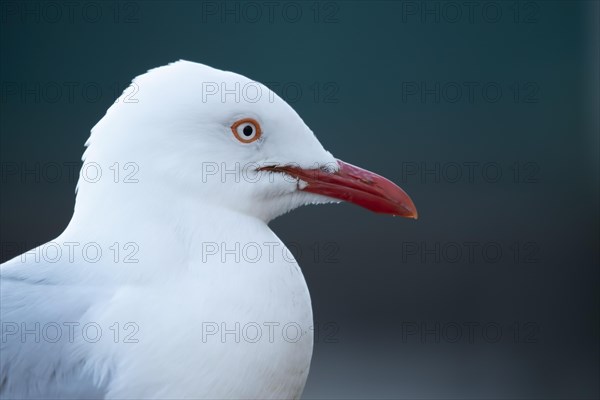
[(246, 130)]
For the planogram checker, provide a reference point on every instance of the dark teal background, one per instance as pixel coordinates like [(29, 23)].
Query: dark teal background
[(357, 64)]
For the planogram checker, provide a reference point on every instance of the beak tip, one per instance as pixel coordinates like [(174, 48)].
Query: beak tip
[(409, 210), (410, 213), (415, 213)]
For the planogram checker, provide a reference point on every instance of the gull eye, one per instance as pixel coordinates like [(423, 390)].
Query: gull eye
[(246, 130)]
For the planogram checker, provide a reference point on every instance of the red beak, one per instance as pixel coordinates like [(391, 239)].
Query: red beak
[(355, 185)]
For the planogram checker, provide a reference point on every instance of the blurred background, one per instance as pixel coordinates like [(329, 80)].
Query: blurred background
[(486, 113)]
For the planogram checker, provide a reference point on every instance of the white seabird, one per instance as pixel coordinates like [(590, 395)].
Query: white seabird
[(168, 282)]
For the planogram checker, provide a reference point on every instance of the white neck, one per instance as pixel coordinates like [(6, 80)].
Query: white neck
[(168, 235)]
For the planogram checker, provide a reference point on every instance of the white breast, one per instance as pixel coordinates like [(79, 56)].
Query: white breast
[(239, 330)]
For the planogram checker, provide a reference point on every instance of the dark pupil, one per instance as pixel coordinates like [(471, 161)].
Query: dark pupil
[(248, 130)]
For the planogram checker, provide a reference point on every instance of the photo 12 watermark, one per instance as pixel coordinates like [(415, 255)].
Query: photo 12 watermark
[(270, 252), (469, 332), (71, 252), (270, 12), (70, 12), (67, 331), (470, 252), (253, 92), (469, 12), (469, 92), (470, 172), (267, 332), (67, 92), (126, 172)]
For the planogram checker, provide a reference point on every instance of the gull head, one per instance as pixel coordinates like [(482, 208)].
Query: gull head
[(212, 139)]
